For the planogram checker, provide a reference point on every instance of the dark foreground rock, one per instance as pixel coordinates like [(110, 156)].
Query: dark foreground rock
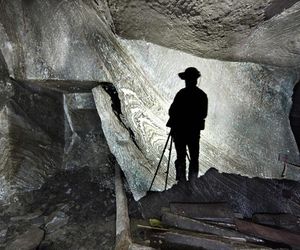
[(29, 240), (70, 211), (246, 196)]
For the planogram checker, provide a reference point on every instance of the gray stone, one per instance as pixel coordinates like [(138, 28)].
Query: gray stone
[(52, 45), (57, 220), (238, 93), (31, 138), (6, 91), (27, 217), (3, 67), (80, 101), (27, 241), (39, 221), (3, 234), (257, 30), (246, 196), (248, 103)]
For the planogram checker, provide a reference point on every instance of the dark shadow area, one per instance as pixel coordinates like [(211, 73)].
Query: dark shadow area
[(3, 67), (295, 114), (72, 208), (278, 6), (116, 106)]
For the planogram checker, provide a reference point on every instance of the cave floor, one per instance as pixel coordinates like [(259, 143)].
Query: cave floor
[(216, 207), (70, 211)]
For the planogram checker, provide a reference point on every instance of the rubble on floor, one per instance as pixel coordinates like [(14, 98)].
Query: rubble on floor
[(221, 211), (70, 211)]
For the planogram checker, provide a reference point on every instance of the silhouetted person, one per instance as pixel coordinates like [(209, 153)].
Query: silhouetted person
[(187, 114), (295, 114)]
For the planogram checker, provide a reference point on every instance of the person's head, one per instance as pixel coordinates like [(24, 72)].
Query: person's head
[(190, 75)]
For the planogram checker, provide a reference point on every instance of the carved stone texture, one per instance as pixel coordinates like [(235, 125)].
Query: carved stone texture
[(248, 105), (257, 31), (137, 169), (52, 39), (31, 138), (247, 125), (74, 40)]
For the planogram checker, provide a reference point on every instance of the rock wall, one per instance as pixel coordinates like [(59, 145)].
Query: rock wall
[(257, 31), (3, 67), (41, 41), (247, 124), (31, 138), (52, 39)]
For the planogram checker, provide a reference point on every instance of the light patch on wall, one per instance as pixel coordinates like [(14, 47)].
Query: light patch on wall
[(247, 124)]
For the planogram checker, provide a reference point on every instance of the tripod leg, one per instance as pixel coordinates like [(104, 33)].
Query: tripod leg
[(188, 155), (168, 167), (162, 155)]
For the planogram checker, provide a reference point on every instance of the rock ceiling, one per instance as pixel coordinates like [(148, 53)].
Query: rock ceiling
[(262, 31)]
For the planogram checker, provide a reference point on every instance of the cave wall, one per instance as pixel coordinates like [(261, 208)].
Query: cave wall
[(3, 67), (51, 48), (257, 30), (31, 138), (247, 124), (74, 40), (85, 144), (52, 39)]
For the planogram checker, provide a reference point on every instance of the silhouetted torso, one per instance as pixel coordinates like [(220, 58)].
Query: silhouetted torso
[(188, 111), (295, 110), (295, 114)]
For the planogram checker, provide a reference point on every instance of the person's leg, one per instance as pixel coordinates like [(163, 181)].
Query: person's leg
[(180, 164), (193, 145)]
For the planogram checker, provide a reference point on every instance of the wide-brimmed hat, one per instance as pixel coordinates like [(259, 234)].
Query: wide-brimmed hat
[(189, 73)]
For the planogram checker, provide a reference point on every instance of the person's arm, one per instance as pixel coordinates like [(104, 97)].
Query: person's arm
[(172, 111), (205, 106), (174, 106)]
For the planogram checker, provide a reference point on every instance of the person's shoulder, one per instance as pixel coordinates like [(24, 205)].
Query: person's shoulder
[(181, 92), (201, 92)]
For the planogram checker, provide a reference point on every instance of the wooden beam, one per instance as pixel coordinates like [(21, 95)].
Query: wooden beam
[(268, 233), (204, 211), (186, 240), (284, 221), (185, 223), (123, 237)]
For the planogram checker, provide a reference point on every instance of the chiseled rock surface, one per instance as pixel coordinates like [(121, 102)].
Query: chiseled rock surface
[(31, 138), (258, 30), (74, 40), (28, 241), (136, 167), (53, 39), (248, 106), (244, 195)]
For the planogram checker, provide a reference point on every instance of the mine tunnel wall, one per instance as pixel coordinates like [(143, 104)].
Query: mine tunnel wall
[(247, 126)]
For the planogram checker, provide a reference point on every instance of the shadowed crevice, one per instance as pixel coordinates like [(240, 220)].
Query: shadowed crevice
[(277, 7), (111, 90)]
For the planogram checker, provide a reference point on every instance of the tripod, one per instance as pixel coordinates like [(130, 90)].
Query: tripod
[(160, 160)]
